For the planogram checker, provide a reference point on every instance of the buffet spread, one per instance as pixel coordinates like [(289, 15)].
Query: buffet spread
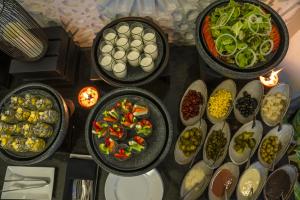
[(129, 131)]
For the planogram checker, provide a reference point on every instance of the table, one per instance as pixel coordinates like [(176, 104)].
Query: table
[(184, 67)]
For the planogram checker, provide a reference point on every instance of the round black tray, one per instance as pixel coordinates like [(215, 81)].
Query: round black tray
[(135, 76), (230, 70), (158, 144), (60, 129)]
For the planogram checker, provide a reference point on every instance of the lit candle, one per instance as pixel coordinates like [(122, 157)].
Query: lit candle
[(88, 97), (271, 80)]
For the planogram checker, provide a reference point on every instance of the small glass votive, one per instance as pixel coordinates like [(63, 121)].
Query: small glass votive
[(110, 35), (119, 69), (123, 29), (119, 54), (106, 47), (106, 61), (136, 29), (138, 44), (133, 57), (151, 49), (146, 62), (149, 36), (122, 41)]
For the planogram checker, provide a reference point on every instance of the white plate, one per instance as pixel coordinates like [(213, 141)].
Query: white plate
[(43, 193), (148, 186)]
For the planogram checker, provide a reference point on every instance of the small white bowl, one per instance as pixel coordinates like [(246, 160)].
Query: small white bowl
[(234, 169), (198, 86), (231, 87), (226, 130), (203, 183), (283, 89), (263, 172), (241, 158), (285, 136), (180, 158), (256, 90)]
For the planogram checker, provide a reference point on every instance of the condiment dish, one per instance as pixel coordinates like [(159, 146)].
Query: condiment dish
[(241, 158), (226, 85), (285, 135), (200, 166), (256, 90), (292, 172), (263, 172), (180, 158), (226, 131), (234, 169), (198, 86), (283, 89)]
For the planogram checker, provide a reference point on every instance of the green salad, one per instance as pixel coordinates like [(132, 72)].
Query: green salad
[(242, 33)]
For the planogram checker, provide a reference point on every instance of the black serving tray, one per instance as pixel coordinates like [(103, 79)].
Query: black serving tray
[(135, 75), (158, 144), (60, 129), (230, 70)]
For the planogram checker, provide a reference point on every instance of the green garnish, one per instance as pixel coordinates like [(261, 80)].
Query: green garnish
[(242, 33)]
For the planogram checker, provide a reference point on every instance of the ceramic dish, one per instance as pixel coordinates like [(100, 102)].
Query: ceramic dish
[(198, 86), (148, 186), (283, 89), (206, 172), (230, 86), (285, 136), (234, 169), (158, 144), (292, 172), (226, 130), (180, 158), (243, 192), (135, 76), (241, 158), (256, 90), (230, 70), (59, 129)]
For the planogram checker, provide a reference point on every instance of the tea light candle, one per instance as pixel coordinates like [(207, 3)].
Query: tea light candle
[(106, 47), (88, 97), (138, 44), (151, 49), (123, 29), (120, 69), (146, 62), (110, 35), (123, 42), (137, 29), (106, 62), (119, 54), (149, 36), (133, 57)]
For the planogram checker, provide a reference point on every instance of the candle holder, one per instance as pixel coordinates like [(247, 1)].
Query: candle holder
[(20, 35), (88, 97)]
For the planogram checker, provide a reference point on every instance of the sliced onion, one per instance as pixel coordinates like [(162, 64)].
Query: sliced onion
[(217, 40), (233, 9), (256, 32), (228, 18), (253, 60), (271, 47)]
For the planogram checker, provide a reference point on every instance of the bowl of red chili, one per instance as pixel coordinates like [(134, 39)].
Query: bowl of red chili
[(241, 39)]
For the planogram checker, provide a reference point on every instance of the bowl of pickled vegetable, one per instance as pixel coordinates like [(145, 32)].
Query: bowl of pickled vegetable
[(241, 38)]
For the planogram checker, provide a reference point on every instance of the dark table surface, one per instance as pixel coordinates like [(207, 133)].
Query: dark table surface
[(183, 69)]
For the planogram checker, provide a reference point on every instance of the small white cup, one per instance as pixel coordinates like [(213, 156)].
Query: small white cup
[(106, 61), (119, 69), (146, 62), (133, 57), (151, 49)]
